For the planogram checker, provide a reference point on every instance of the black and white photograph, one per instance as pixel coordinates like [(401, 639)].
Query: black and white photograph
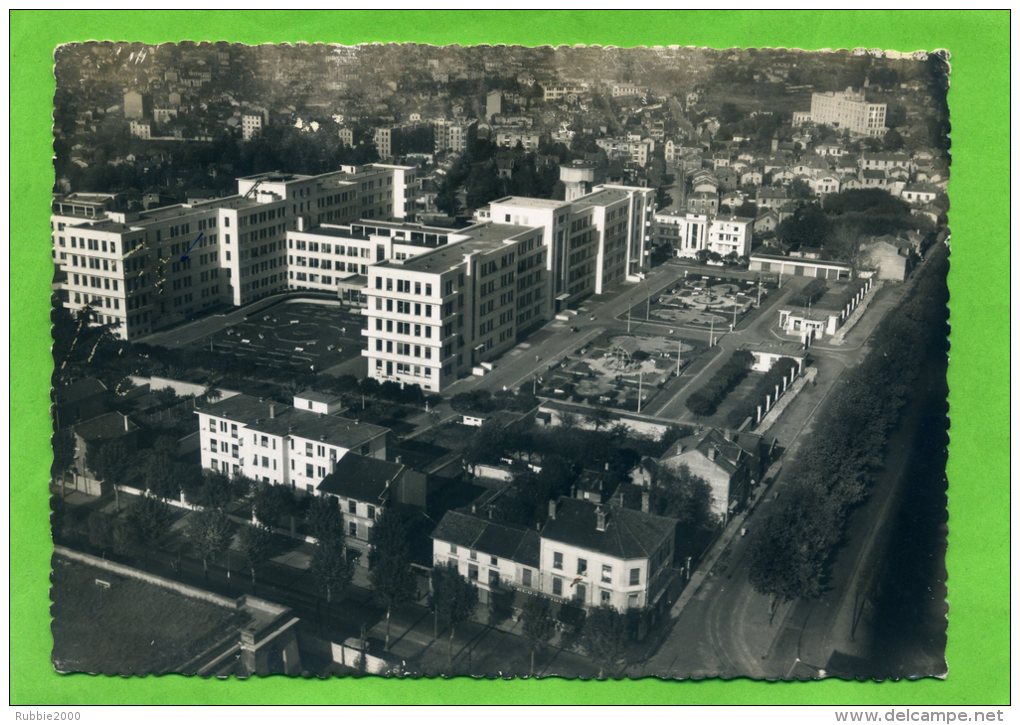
[(498, 361)]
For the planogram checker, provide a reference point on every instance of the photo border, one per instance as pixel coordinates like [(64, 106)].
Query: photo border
[(978, 470)]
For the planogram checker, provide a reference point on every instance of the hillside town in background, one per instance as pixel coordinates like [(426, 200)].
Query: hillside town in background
[(499, 361)]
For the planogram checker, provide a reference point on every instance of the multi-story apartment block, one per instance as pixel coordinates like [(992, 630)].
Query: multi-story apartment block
[(563, 91), (251, 125), (382, 137), (140, 129), (139, 271), (564, 236), (453, 134), (137, 105), (330, 254), (433, 317), (280, 444), (509, 137), (848, 110), (587, 553), (610, 221), (633, 148), (619, 90)]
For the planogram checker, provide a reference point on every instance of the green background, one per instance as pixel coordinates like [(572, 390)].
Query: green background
[(978, 562)]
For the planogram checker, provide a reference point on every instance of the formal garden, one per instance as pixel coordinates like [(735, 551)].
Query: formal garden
[(614, 369), (702, 301)]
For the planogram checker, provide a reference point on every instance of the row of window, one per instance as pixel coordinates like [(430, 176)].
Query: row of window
[(634, 578)]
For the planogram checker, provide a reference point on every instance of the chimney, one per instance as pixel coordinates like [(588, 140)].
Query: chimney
[(399, 460), (607, 466), (645, 502), (272, 410), (127, 424), (552, 510), (728, 434), (600, 519), (474, 509), (712, 453)]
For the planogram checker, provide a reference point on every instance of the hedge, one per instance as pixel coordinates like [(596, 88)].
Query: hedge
[(810, 294), (706, 400)]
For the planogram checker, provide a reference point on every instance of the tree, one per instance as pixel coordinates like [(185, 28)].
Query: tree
[(331, 567), (453, 598), (210, 532), (108, 460), (605, 637), (599, 416), (680, 495), (843, 244), (893, 140), (159, 474), (149, 519), (391, 575), (807, 227), (269, 502), (538, 624), (487, 444), (324, 519), (256, 543)]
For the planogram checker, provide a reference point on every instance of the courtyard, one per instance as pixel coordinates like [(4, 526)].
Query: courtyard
[(305, 335)]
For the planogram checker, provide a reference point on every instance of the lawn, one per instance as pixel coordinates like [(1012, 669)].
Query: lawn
[(130, 628)]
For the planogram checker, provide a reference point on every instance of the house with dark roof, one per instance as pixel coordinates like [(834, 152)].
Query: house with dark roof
[(83, 399), (730, 462), (90, 434), (491, 554), (601, 553), (363, 486)]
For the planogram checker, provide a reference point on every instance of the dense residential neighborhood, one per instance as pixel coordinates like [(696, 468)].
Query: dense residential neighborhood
[(530, 361)]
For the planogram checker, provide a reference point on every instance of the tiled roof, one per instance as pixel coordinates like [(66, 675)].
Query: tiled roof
[(78, 390), (105, 427), (628, 534), (361, 478), (730, 455), (280, 419), (505, 541)]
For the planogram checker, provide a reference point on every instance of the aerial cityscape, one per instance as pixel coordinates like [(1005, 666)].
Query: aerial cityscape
[(588, 362)]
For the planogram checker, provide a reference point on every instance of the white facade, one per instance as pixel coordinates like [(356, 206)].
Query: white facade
[(849, 110), (433, 317), (140, 271), (278, 444), (251, 125), (635, 150), (691, 233)]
